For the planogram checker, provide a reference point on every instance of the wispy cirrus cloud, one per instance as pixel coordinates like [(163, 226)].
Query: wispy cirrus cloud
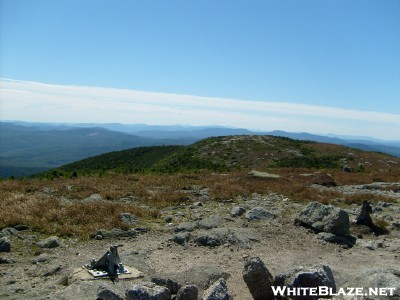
[(33, 101)]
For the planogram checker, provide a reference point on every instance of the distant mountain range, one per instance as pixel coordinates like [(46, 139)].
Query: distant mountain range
[(28, 148)]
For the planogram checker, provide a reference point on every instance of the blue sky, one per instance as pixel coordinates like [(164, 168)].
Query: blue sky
[(341, 55)]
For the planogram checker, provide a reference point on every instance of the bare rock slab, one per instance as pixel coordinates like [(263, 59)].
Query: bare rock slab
[(259, 213), (147, 291), (50, 242)]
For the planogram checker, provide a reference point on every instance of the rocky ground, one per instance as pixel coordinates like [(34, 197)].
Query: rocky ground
[(207, 240)]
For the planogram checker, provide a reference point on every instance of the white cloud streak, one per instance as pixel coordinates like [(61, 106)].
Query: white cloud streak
[(32, 101)]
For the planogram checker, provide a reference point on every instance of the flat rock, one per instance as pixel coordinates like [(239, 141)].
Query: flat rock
[(259, 213), (258, 174), (147, 291), (50, 242)]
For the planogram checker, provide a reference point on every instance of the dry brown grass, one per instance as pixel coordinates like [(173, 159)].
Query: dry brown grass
[(55, 206), (360, 198)]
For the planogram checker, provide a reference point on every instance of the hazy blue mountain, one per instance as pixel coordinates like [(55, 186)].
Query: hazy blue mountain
[(26, 150)]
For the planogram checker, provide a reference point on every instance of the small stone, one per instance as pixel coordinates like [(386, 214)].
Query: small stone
[(5, 245), (64, 281), (237, 211), (188, 292), (168, 219)]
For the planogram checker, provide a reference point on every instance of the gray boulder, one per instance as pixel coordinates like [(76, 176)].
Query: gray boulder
[(188, 292), (8, 231), (170, 284), (128, 219), (105, 292), (325, 218), (208, 239), (378, 278), (5, 244), (218, 291), (181, 238), (259, 213), (147, 291), (237, 211), (315, 276), (258, 279), (50, 242)]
